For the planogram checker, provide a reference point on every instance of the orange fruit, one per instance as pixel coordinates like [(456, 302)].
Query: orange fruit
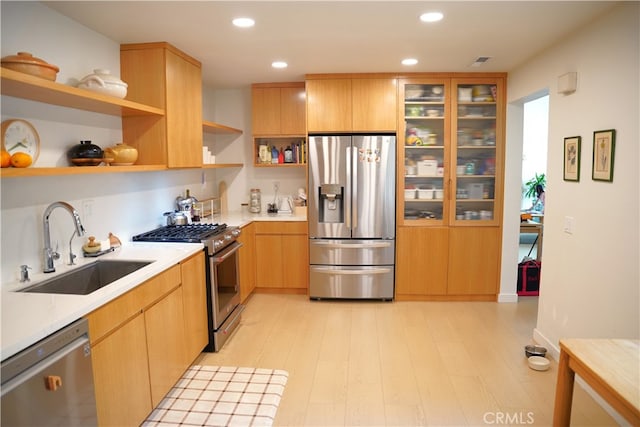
[(21, 160), (5, 159)]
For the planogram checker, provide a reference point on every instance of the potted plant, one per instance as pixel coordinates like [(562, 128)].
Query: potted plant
[(530, 186)]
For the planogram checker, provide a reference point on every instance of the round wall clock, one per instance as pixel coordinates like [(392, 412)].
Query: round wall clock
[(20, 136)]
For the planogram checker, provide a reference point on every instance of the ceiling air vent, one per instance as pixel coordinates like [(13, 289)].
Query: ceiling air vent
[(480, 60)]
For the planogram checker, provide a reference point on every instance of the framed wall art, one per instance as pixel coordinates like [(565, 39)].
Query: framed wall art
[(572, 158), (604, 144)]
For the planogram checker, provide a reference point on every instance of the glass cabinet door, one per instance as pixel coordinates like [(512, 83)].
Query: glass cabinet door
[(476, 151), (423, 152)]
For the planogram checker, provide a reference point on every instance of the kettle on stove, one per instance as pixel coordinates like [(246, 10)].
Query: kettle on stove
[(185, 204)]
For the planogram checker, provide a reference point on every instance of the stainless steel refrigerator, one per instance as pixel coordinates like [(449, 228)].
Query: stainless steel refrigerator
[(352, 216)]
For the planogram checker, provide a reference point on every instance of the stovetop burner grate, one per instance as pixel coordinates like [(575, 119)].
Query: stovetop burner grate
[(192, 233)]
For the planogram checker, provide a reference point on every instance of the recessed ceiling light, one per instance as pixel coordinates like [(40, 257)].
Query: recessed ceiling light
[(431, 17), (244, 22), (279, 64), (409, 61)]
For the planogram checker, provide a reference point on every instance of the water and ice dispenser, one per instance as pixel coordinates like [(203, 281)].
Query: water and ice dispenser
[(331, 207)]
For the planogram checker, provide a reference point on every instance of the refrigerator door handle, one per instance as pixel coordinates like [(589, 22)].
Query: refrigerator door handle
[(337, 271), (349, 186), (354, 186), (353, 245)]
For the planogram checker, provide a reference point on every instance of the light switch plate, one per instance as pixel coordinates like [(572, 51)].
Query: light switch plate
[(569, 224)]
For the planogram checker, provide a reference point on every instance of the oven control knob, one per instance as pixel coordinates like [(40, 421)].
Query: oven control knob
[(228, 237), (235, 232)]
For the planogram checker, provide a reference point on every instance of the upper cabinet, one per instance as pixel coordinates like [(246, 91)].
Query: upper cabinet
[(279, 124), (351, 103), (278, 109), (451, 151), (478, 118), (160, 75)]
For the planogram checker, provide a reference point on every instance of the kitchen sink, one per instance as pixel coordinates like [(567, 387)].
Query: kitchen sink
[(87, 279)]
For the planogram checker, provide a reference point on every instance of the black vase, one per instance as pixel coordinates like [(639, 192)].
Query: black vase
[(85, 154)]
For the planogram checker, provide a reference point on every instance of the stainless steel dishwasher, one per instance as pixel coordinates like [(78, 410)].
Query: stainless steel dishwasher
[(51, 382)]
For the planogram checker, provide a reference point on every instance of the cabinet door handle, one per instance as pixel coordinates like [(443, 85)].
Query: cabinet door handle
[(52, 382), (371, 245), (348, 189), (341, 272), (354, 186)]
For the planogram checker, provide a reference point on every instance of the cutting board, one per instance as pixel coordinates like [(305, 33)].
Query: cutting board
[(222, 194)]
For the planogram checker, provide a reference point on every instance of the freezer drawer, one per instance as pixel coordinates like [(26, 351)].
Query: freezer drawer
[(351, 252), (374, 282)]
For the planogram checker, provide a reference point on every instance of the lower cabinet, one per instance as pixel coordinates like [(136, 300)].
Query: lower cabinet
[(144, 340), (447, 263), (121, 375), (247, 261), (422, 255), (282, 255), (164, 325), (194, 295), (474, 261)]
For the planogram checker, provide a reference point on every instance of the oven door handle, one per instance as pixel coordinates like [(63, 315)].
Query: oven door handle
[(233, 320), (218, 258)]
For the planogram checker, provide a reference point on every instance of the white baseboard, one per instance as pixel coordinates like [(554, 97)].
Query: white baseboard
[(507, 297), (554, 351)]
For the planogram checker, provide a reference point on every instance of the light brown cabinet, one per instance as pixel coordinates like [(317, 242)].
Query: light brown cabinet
[(194, 294), (164, 327), (422, 261), (447, 263), (160, 75), (278, 109), (279, 120), (450, 180), (140, 345), (474, 261), (247, 261), (121, 375), (282, 255), (351, 103)]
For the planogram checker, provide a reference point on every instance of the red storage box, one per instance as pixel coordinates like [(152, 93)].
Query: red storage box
[(529, 277)]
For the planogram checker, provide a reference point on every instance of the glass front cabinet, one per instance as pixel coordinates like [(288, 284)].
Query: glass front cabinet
[(450, 151)]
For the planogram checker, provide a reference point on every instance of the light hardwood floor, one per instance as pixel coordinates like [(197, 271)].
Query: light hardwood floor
[(400, 363)]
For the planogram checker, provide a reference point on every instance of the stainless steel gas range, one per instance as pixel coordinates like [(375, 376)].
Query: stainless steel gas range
[(223, 287)]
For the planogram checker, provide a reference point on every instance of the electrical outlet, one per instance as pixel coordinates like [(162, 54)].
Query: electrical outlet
[(87, 209)]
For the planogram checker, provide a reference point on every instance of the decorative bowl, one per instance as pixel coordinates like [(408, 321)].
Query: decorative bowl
[(25, 62), (86, 162), (85, 154), (102, 81)]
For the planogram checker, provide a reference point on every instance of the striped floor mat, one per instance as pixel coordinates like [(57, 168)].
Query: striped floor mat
[(221, 396)]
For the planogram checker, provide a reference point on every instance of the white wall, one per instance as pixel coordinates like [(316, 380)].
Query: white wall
[(233, 108), (590, 279), (125, 204)]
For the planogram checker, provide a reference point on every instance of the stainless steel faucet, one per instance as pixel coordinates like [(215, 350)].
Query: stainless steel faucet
[(50, 254)]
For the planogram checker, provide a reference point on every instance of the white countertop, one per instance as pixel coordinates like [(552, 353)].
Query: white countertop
[(29, 317), (241, 219)]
